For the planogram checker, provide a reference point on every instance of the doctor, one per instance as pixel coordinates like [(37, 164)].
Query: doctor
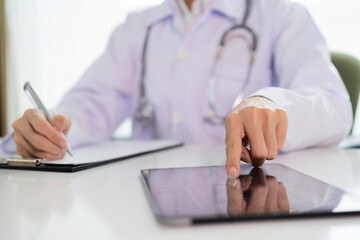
[(254, 72)]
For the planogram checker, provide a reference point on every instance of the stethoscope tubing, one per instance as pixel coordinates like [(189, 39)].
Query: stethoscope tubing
[(144, 107)]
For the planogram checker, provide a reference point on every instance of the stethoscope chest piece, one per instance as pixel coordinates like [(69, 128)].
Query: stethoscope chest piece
[(145, 113)]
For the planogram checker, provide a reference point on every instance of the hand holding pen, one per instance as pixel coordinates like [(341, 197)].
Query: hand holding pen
[(38, 134)]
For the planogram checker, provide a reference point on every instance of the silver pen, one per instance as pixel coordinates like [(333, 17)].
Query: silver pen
[(38, 104)]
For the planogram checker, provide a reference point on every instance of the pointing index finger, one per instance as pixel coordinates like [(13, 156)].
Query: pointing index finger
[(234, 135)]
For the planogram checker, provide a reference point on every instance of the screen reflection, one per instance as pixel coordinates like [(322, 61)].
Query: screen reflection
[(207, 193), (256, 194)]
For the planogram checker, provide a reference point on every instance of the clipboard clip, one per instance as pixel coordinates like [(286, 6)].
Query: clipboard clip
[(20, 161)]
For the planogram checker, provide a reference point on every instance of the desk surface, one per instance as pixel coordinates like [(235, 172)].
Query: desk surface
[(109, 202)]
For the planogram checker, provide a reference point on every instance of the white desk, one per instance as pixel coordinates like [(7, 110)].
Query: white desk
[(109, 202)]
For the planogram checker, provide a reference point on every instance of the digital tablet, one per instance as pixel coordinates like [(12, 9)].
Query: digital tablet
[(182, 196)]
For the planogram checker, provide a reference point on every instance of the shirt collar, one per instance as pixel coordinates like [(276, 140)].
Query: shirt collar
[(233, 9), (191, 18), (228, 8), (159, 13)]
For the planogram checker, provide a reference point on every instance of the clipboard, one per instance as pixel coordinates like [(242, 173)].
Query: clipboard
[(98, 155)]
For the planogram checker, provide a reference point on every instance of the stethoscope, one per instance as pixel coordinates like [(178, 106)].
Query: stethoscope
[(145, 112)]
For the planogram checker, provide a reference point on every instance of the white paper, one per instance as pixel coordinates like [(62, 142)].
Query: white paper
[(112, 150)]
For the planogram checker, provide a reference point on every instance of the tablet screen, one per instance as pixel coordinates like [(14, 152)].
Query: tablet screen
[(205, 194)]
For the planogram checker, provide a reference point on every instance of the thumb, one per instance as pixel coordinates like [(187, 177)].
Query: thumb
[(61, 123)]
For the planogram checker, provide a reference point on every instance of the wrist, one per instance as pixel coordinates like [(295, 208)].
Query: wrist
[(260, 102)]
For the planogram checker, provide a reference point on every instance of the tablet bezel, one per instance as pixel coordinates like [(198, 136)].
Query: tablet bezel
[(183, 221)]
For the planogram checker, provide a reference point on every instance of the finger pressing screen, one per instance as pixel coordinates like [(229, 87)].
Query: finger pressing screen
[(234, 135)]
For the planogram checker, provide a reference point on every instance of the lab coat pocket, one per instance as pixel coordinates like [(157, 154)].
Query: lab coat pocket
[(229, 81), (260, 77), (228, 85)]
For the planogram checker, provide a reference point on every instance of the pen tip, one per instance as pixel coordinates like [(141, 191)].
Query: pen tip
[(70, 153)]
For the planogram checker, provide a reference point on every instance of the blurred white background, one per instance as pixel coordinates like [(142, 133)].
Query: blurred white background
[(52, 42)]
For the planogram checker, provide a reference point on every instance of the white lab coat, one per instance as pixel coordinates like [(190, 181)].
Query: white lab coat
[(292, 67)]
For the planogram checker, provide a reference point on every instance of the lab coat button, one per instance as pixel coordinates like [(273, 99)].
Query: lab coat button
[(182, 53), (176, 119)]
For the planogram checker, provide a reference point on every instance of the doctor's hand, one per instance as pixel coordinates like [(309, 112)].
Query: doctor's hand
[(255, 130), (36, 137)]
